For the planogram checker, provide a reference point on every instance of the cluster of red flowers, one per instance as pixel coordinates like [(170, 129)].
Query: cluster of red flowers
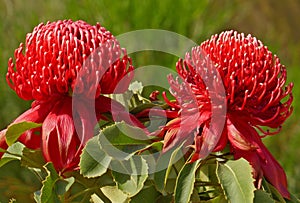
[(57, 65), (66, 58), (254, 82)]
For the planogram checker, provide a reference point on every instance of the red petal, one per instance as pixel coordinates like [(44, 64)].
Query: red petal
[(3, 144), (186, 128), (273, 171), (213, 137), (209, 141), (222, 141), (157, 112), (242, 138), (37, 113), (198, 143), (174, 135), (59, 139), (239, 136), (85, 119)]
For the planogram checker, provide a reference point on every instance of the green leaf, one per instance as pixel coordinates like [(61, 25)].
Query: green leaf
[(54, 187), (48, 189), (236, 180), (273, 191), (262, 196), (208, 171), (147, 195), (96, 199), (17, 182), (122, 140), (114, 194), (218, 199), (166, 160), (32, 158), (14, 152), (93, 161), (207, 182), (130, 175), (165, 199), (185, 182), (37, 196), (6, 160), (158, 146), (62, 186), (293, 199), (195, 197), (14, 131)]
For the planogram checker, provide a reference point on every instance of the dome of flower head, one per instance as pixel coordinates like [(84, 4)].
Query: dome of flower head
[(53, 57), (256, 97), (254, 78)]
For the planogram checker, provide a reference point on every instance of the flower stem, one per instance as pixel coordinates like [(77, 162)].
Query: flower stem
[(81, 193), (206, 183)]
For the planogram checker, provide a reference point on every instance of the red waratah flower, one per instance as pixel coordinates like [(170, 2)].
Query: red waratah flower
[(254, 83), (61, 60)]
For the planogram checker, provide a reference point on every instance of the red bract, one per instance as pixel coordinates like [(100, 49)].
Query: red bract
[(255, 95), (61, 60)]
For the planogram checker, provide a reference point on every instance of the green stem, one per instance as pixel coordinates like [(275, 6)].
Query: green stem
[(176, 171), (206, 183), (135, 100), (82, 192)]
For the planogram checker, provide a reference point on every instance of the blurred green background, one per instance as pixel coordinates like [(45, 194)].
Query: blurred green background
[(274, 22)]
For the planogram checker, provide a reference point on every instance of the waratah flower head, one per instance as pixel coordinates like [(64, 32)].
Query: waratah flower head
[(64, 62), (256, 96), (56, 52), (253, 77)]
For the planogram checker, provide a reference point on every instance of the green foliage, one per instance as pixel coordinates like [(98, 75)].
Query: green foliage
[(148, 195), (185, 182), (114, 194), (17, 183), (293, 199), (130, 175), (262, 196), (32, 158), (15, 130), (272, 190), (113, 169), (105, 178), (236, 180), (54, 187), (94, 161), (124, 138), (161, 177), (14, 152)]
